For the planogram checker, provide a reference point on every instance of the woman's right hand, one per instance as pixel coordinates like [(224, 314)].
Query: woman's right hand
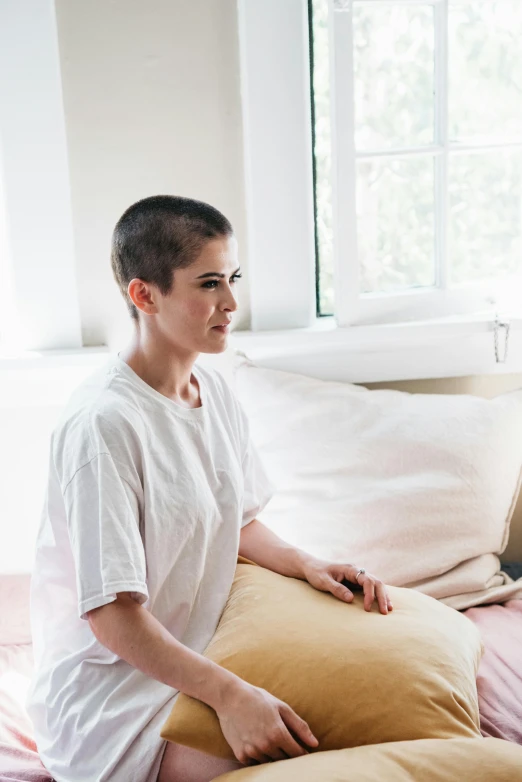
[(259, 727)]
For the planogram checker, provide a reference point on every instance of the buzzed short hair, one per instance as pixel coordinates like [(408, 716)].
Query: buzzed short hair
[(158, 235)]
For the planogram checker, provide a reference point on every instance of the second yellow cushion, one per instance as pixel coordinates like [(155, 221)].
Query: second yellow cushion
[(427, 760)]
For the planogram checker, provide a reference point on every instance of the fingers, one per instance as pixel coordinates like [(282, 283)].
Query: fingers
[(369, 593), (340, 591), (278, 754), (265, 752), (281, 744), (280, 747), (253, 756), (382, 597), (260, 758), (374, 589), (298, 726)]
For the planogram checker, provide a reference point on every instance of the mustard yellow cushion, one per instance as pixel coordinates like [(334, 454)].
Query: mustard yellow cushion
[(355, 677), (425, 760)]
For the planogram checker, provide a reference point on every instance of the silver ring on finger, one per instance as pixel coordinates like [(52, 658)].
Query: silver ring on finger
[(359, 572)]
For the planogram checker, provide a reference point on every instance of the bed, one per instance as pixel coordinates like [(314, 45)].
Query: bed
[(499, 678)]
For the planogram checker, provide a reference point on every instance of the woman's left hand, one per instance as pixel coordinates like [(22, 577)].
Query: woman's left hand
[(327, 577)]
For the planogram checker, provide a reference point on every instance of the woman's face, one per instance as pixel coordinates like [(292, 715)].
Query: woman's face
[(202, 299)]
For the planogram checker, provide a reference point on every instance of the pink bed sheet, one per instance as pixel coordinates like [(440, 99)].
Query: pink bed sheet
[(19, 761), (499, 680)]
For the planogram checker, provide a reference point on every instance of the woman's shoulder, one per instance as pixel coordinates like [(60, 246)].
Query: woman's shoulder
[(95, 417)]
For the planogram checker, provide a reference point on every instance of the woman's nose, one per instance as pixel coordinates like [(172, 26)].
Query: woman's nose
[(230, 302)]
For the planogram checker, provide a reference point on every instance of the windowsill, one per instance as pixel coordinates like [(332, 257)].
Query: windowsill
[(45, 378), (40, 359), (396, 335), (446, 347)]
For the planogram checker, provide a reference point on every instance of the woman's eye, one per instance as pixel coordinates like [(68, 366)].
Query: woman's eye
[(211, 284)]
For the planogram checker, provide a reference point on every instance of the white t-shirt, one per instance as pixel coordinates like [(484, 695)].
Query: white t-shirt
[(147, 497)]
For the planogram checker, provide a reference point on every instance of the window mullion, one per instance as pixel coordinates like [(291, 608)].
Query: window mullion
[(397, 154), (441, 139)]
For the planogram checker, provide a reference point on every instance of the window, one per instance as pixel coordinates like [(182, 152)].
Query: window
[(417, 126)]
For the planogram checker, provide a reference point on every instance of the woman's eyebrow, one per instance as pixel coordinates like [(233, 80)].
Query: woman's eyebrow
[(216, 274)]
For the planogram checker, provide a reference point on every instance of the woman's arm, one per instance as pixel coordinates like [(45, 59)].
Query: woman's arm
[(261, 545), (135, 635), (256, 724)]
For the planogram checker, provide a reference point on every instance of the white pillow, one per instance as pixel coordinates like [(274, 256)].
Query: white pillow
[(417, 488)]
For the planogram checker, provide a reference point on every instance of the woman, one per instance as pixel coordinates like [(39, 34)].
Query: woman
[(154, 488)]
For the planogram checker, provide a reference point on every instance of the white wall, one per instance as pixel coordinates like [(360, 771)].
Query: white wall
[(39, 302), (31, 399), (152, 105)]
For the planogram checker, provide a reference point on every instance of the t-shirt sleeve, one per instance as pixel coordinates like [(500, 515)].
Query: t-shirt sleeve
[(259, 489), (103, 522)]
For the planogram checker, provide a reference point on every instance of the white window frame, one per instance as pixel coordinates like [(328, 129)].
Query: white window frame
[(273, 36), (353, 308), (285, 332)]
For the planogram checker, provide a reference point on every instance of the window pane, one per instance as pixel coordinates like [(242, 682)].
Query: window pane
[(485, 202), (485, 69), (395, 210), (394, 76)]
